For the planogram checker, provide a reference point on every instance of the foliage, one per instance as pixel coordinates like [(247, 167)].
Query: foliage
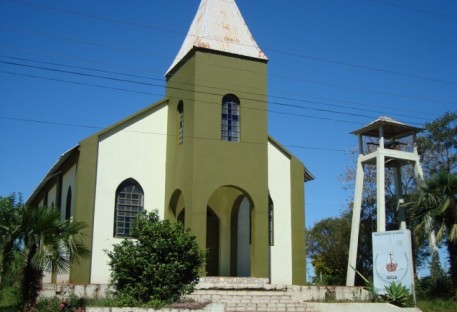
[(9, 259), (162, 263), (437, 305), (438, 145), (435, 210), (328, 246), (434, 286), (71, 304), (9, 298), (36, 240), (398, 295)]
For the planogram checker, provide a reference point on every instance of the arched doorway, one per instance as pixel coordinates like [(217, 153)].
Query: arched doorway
[(242, 229), (230, 234), (212, 243)]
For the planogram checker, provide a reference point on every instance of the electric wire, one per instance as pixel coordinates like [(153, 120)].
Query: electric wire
[(55, 123), (415, 9), (283, 52), (193, 85), (185, 99), (203, 92), (279, 76), (390, 94)]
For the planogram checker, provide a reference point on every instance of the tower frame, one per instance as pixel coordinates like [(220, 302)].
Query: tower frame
[(387, 152)]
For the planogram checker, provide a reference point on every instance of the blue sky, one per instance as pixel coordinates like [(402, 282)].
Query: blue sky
[(335, 65)]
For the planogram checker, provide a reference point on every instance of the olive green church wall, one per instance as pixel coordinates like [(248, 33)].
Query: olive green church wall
[(204, 162), (298, 222), (84, 204)]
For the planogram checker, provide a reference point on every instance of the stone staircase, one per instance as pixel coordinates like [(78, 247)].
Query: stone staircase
[(250, 294)]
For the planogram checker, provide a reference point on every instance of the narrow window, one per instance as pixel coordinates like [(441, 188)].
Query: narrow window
[(68, 204), (230, 128), (181, 122), (129, 202), (271, 229)]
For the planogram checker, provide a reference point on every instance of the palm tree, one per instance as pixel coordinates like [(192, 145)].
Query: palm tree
[(435, 212), (46, 243)]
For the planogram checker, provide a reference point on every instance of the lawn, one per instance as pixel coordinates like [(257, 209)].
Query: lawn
[(437, 305)]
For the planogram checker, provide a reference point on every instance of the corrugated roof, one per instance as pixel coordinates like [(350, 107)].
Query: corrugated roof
[(219, 26)]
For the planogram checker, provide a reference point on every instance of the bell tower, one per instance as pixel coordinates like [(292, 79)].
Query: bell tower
[(383, 144), (217, 149)]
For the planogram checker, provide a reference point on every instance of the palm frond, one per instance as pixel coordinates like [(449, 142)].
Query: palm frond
[(452, 236)]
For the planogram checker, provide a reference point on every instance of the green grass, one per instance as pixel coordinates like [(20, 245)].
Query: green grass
[(437, 305)]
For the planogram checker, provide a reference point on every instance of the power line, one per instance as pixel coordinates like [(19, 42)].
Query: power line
[(190, 84), (428, 100), (293, 54), (77, 83), (97, 44), (280, 76), (416, 9), (210, 93), (367, 90), (55, 123), (98, 17), (148, 93), (364, 67)]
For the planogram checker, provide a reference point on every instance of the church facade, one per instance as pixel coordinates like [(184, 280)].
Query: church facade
[(202, 156)]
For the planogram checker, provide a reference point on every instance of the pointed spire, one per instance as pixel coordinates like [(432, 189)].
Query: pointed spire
[(219, 26)]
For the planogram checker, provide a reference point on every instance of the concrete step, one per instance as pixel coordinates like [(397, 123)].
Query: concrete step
[(253, 300)]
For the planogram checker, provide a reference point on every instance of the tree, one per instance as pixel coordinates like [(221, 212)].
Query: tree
[(8, 258), (328, 245), (438, 145), (435, 210), (44, 242), (162, 263)]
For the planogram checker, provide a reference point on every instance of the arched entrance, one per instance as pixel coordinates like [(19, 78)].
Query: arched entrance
[(241, 238), (212, 243), (229, 232)]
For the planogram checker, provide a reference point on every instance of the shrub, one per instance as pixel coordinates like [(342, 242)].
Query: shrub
[(161, 264), (71, 304), (439, 286), (398, 295)]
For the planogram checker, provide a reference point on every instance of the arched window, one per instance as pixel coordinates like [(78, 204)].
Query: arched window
[(129, 202), (68, 204), (230, 128), (181, 122)]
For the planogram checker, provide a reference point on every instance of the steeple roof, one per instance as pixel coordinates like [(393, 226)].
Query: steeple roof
[(219, 26)]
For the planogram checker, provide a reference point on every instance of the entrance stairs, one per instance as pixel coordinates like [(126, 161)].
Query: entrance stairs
[(255, 294)]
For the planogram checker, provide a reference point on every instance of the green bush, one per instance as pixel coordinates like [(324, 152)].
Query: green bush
[(71, 304), (161, 264), (439, 286)]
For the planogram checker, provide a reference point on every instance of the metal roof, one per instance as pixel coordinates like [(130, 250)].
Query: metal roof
[(219, 26), (391, 128), (55, 170)]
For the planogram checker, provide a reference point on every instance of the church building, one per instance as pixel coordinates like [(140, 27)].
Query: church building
[(201, 155)]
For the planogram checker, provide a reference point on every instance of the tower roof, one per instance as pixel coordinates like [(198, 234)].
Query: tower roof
[(219, 26), (392, 128)]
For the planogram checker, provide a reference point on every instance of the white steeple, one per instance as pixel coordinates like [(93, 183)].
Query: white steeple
[(219, 26)]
